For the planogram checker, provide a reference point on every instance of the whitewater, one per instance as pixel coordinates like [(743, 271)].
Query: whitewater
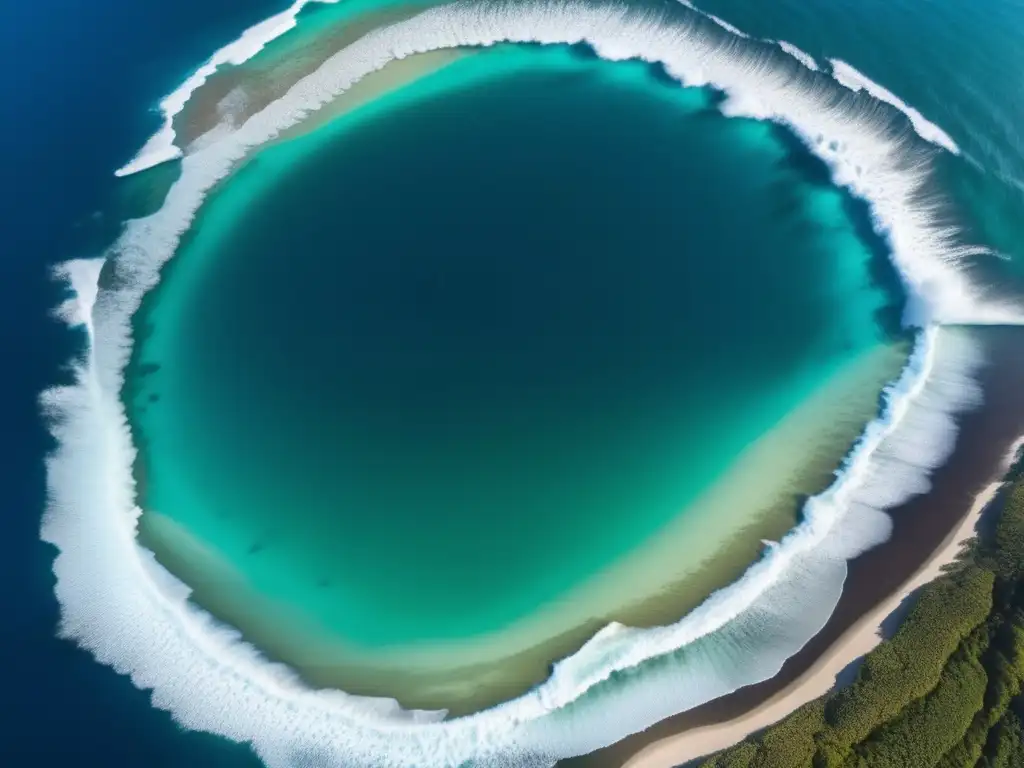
[(131, 614), (161, 147)]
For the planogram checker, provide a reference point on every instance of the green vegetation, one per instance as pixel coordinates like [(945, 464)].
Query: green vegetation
[(943, 692)]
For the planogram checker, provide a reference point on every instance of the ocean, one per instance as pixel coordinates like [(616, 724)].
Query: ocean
[(249, 391)]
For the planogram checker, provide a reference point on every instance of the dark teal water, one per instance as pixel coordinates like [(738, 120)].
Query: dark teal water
[(426, 372)]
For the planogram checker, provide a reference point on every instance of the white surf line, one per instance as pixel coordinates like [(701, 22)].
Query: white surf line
[(161, 147), (859, 640), (131, 614), (83, 278), (804, 58), (852, 79), (849, 77)]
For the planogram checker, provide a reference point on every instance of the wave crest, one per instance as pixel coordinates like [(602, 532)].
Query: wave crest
[(160, 147)]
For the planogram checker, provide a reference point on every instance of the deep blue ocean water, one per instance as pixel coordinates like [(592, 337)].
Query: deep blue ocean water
[(77, 81), (76, 86)]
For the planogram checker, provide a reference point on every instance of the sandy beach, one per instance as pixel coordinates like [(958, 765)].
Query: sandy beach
[(928, 532), (859, 640)]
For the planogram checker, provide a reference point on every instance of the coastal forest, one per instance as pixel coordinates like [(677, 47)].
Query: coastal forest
[(943, 692)]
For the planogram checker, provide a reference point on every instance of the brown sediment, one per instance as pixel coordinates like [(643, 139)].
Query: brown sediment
[(395, 75), (259, 85), (920, 528)]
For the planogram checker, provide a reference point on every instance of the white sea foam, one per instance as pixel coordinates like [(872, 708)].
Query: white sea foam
[(850, 78), (160, 147), (717, 20), (83, 277), (856, 81), (727, 26), (804, 58), (118, 603)]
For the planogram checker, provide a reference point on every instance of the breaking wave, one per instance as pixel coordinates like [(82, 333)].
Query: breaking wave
[(160, 148), (926, 129), (131, 614)]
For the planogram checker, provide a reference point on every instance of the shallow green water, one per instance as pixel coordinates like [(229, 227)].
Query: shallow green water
[(427, 370)]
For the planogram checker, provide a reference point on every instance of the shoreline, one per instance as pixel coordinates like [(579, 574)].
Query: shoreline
[(922, 528), (859, 640)]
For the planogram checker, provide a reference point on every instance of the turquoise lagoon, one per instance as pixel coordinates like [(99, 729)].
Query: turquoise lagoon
[(525, 344)]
